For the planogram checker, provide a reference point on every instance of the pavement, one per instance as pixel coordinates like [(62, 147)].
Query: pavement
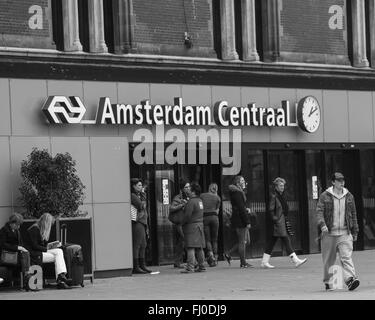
[(223, 282)]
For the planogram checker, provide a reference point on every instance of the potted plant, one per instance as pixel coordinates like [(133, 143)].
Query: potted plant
[(51, 184)]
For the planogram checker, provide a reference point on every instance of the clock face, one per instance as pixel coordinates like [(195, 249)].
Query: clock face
[(308, 114)]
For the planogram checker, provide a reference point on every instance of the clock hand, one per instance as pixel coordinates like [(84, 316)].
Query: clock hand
[(312, 111)]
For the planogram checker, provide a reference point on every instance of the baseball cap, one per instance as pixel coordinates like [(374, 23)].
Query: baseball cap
[(337, 176)]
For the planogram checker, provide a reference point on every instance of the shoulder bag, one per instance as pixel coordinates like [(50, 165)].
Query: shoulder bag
[(9, 258)]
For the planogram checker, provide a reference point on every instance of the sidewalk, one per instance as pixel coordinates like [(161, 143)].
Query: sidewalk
[(223, 282)]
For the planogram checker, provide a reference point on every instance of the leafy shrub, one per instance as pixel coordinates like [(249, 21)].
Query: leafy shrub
[(50, 184)]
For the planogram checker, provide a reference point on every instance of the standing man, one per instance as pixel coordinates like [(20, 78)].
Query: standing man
[(240, 220), (177, 207), (337, 222)]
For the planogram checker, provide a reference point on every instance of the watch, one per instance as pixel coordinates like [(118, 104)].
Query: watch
[(308, 114)]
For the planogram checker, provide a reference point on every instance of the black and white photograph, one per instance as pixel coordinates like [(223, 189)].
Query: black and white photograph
[(183, 156)]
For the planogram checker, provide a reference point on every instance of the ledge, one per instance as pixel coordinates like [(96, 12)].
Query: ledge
[(51, 64)]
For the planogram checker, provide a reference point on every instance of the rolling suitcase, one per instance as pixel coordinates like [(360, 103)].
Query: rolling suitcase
[(73, 259)]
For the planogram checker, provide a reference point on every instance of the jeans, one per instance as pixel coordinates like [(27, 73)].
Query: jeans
[(179, 241), (139, 240), (243, 236), (286, 242), (211, 231), (56, 256), (191, 254)]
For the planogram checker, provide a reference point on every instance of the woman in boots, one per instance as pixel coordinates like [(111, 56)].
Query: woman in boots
[(279, 211), (139, 227), (38, 235)]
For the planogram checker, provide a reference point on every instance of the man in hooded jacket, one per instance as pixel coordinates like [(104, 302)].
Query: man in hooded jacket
[(337, 222)]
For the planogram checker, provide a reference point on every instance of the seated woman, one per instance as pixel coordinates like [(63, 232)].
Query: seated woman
[(38, 235), (10, 240)]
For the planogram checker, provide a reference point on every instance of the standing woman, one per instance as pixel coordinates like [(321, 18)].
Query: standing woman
[(38, 235), (139, 227), (211, 205), (279, 211), (192, 227)]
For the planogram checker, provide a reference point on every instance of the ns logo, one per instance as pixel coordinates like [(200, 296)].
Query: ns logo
[(60, 109)]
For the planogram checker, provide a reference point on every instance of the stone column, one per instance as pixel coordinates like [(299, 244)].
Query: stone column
[(71, 26), (271, 30), (96, 26), (228, 37), (372, 32), (249, 44), (123, 29), (359, 33)]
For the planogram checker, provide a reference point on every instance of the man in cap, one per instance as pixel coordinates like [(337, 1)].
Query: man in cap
[(337, 222)]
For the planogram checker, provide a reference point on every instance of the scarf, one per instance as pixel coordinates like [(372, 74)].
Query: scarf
[(283, 202)]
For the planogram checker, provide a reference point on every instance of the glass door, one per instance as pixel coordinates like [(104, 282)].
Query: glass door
[(286, 164), (368, 197), (164, 189)]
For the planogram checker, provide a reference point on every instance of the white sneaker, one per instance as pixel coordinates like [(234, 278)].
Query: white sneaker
[(1, 280)]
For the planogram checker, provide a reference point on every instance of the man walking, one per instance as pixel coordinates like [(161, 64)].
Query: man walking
[(337, 222)]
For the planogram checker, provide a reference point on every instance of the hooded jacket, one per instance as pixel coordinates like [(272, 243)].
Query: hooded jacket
[(240, 218), (325, 212)]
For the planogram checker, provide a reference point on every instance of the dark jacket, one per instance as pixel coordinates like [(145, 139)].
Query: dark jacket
[(240, 218), (139, 201), (9, 240), (192, 225), (35, 244), (278, 218), (324, 212), (178, 204)]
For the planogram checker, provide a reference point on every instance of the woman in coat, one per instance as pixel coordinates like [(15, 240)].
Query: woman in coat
[(192, 227), (38, 235), (278, 208), (139, 227), (10, 240)]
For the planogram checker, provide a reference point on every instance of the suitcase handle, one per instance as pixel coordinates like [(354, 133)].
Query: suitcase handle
[(63, 234)]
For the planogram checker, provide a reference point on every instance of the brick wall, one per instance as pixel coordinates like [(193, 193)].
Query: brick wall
[(305, 27), (14, 24), (160, 24)]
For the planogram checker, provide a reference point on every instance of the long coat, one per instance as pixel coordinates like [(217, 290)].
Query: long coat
[(240, 218), (278, 218), (192, 225)]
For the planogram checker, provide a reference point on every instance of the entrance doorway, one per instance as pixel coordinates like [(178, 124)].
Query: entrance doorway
[(288, 165)]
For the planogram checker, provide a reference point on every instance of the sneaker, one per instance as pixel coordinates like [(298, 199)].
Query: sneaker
[(328, 287), (228, 258), (352, 283), (178, 266), (247, 265), (200, 269), (186, 270)]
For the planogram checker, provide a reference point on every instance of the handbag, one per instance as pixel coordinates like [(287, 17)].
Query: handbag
[(9, 258), (176, 217), (288, 227)]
